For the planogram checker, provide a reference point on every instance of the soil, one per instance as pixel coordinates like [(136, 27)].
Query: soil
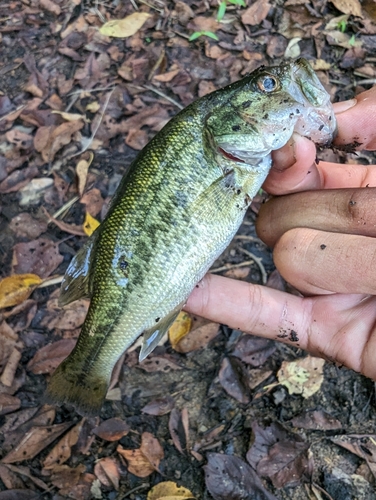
[(54, 60)]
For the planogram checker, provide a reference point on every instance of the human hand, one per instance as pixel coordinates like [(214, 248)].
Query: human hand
[(324, 244)]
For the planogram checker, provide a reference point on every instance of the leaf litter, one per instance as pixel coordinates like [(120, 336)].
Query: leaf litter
[(76, 96)]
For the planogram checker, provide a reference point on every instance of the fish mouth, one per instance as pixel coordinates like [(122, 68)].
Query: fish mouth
[(229, 155)]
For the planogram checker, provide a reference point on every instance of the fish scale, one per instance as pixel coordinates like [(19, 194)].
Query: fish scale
[(175, 211)]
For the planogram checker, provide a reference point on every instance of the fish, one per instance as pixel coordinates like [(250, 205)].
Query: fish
[(175, 211)]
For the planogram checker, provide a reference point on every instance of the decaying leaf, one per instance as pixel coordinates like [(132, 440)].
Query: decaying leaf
[(17, 288), (25, 226), (316, 420), (253, 350), (303, 376), (159, 406), (144, 460), (200, 334), (48, 358), (34, 441), (280, 455), (351, 7), (90, 224), (256, 13), (227, 476), (123, 28), (9, 404), (112, 429), (107, 471), (40, 257), (168, 490), (234, 379), (72, 482), (62, 451), (179, 429)]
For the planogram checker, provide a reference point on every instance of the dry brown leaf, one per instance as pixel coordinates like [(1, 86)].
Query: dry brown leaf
[(39, 256), (123, 28), (50, 6), (73, 482), (112, 429), (136, 139), (197, 338), (47, 359), (82, 169), (159, 406), (178, 426), (168, 490), (71, 317), (25, 226), (9, 404), (17, 288), (166, 77), (34, 441), (256, 13), (61, 452), (9, 372), (351, 7), (145, 460), (48, 140), (107, 471), (93, 201)]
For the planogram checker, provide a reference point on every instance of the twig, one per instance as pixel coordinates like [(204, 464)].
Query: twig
[(248, 238), (322, 491), (13, 111), (97, 126), (91, 90), (158, 92), (65, 207), (135, 6), (51, 281), (258, 261), (227, 267)]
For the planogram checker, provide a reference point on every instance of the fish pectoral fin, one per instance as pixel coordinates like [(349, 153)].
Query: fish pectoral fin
[(75, 284), (153, 335)]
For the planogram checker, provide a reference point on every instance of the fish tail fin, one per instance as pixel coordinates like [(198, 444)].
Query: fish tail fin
[(73, 385)]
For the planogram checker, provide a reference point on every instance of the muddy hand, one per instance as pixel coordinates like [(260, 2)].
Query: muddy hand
[(324, 243)]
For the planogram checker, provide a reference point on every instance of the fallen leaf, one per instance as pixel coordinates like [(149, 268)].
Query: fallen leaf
[(19, 494), (73, 482), (49, 140), (256, 13), (70, 317), (160, 406), (48, 358), (9, 404), (34, 190), (229, 477), (179, 328), (351, 7), (34, 441), (198, 337), (112, 429), (50, 6), (38, 256), (293, 49), (90, 224), (280, 455), (93, 201), (17, 288), (234, 379), (253, 350), (10, 368), (107, 471), (168, 490), (144, 460), (82, 169), (25, 226), (303, 376), (123, 28), (163, 363), (317, 420), (62, 451), (179, 429)]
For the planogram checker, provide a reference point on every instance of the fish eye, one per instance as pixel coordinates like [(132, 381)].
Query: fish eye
[(268, 83)]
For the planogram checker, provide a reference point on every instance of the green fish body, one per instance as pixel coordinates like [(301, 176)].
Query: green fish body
[(175, 211)]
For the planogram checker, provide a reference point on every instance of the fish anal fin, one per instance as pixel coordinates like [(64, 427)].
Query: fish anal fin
[(76, 284), (153, 335)]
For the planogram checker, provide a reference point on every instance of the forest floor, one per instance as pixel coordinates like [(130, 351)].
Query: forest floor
[(214, 414)]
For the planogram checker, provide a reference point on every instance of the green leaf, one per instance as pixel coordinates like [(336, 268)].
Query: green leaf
[(210, 34), (221, 10), (352, 41), (195, 35), (241, 3)]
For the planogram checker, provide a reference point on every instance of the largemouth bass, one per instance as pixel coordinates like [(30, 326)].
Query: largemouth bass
[(175, 211)]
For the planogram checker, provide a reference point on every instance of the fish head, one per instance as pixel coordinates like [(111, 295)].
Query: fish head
[(264, 109)]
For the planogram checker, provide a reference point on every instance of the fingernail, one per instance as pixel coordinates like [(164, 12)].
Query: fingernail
[(340, 107)]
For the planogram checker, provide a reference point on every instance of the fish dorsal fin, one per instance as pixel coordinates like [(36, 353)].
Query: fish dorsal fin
[(153, 335), (75, 284)]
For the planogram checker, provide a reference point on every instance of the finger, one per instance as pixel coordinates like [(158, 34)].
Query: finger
[(294, 167), (351, 211), (357, 123), (325, 262), (324, 326)]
